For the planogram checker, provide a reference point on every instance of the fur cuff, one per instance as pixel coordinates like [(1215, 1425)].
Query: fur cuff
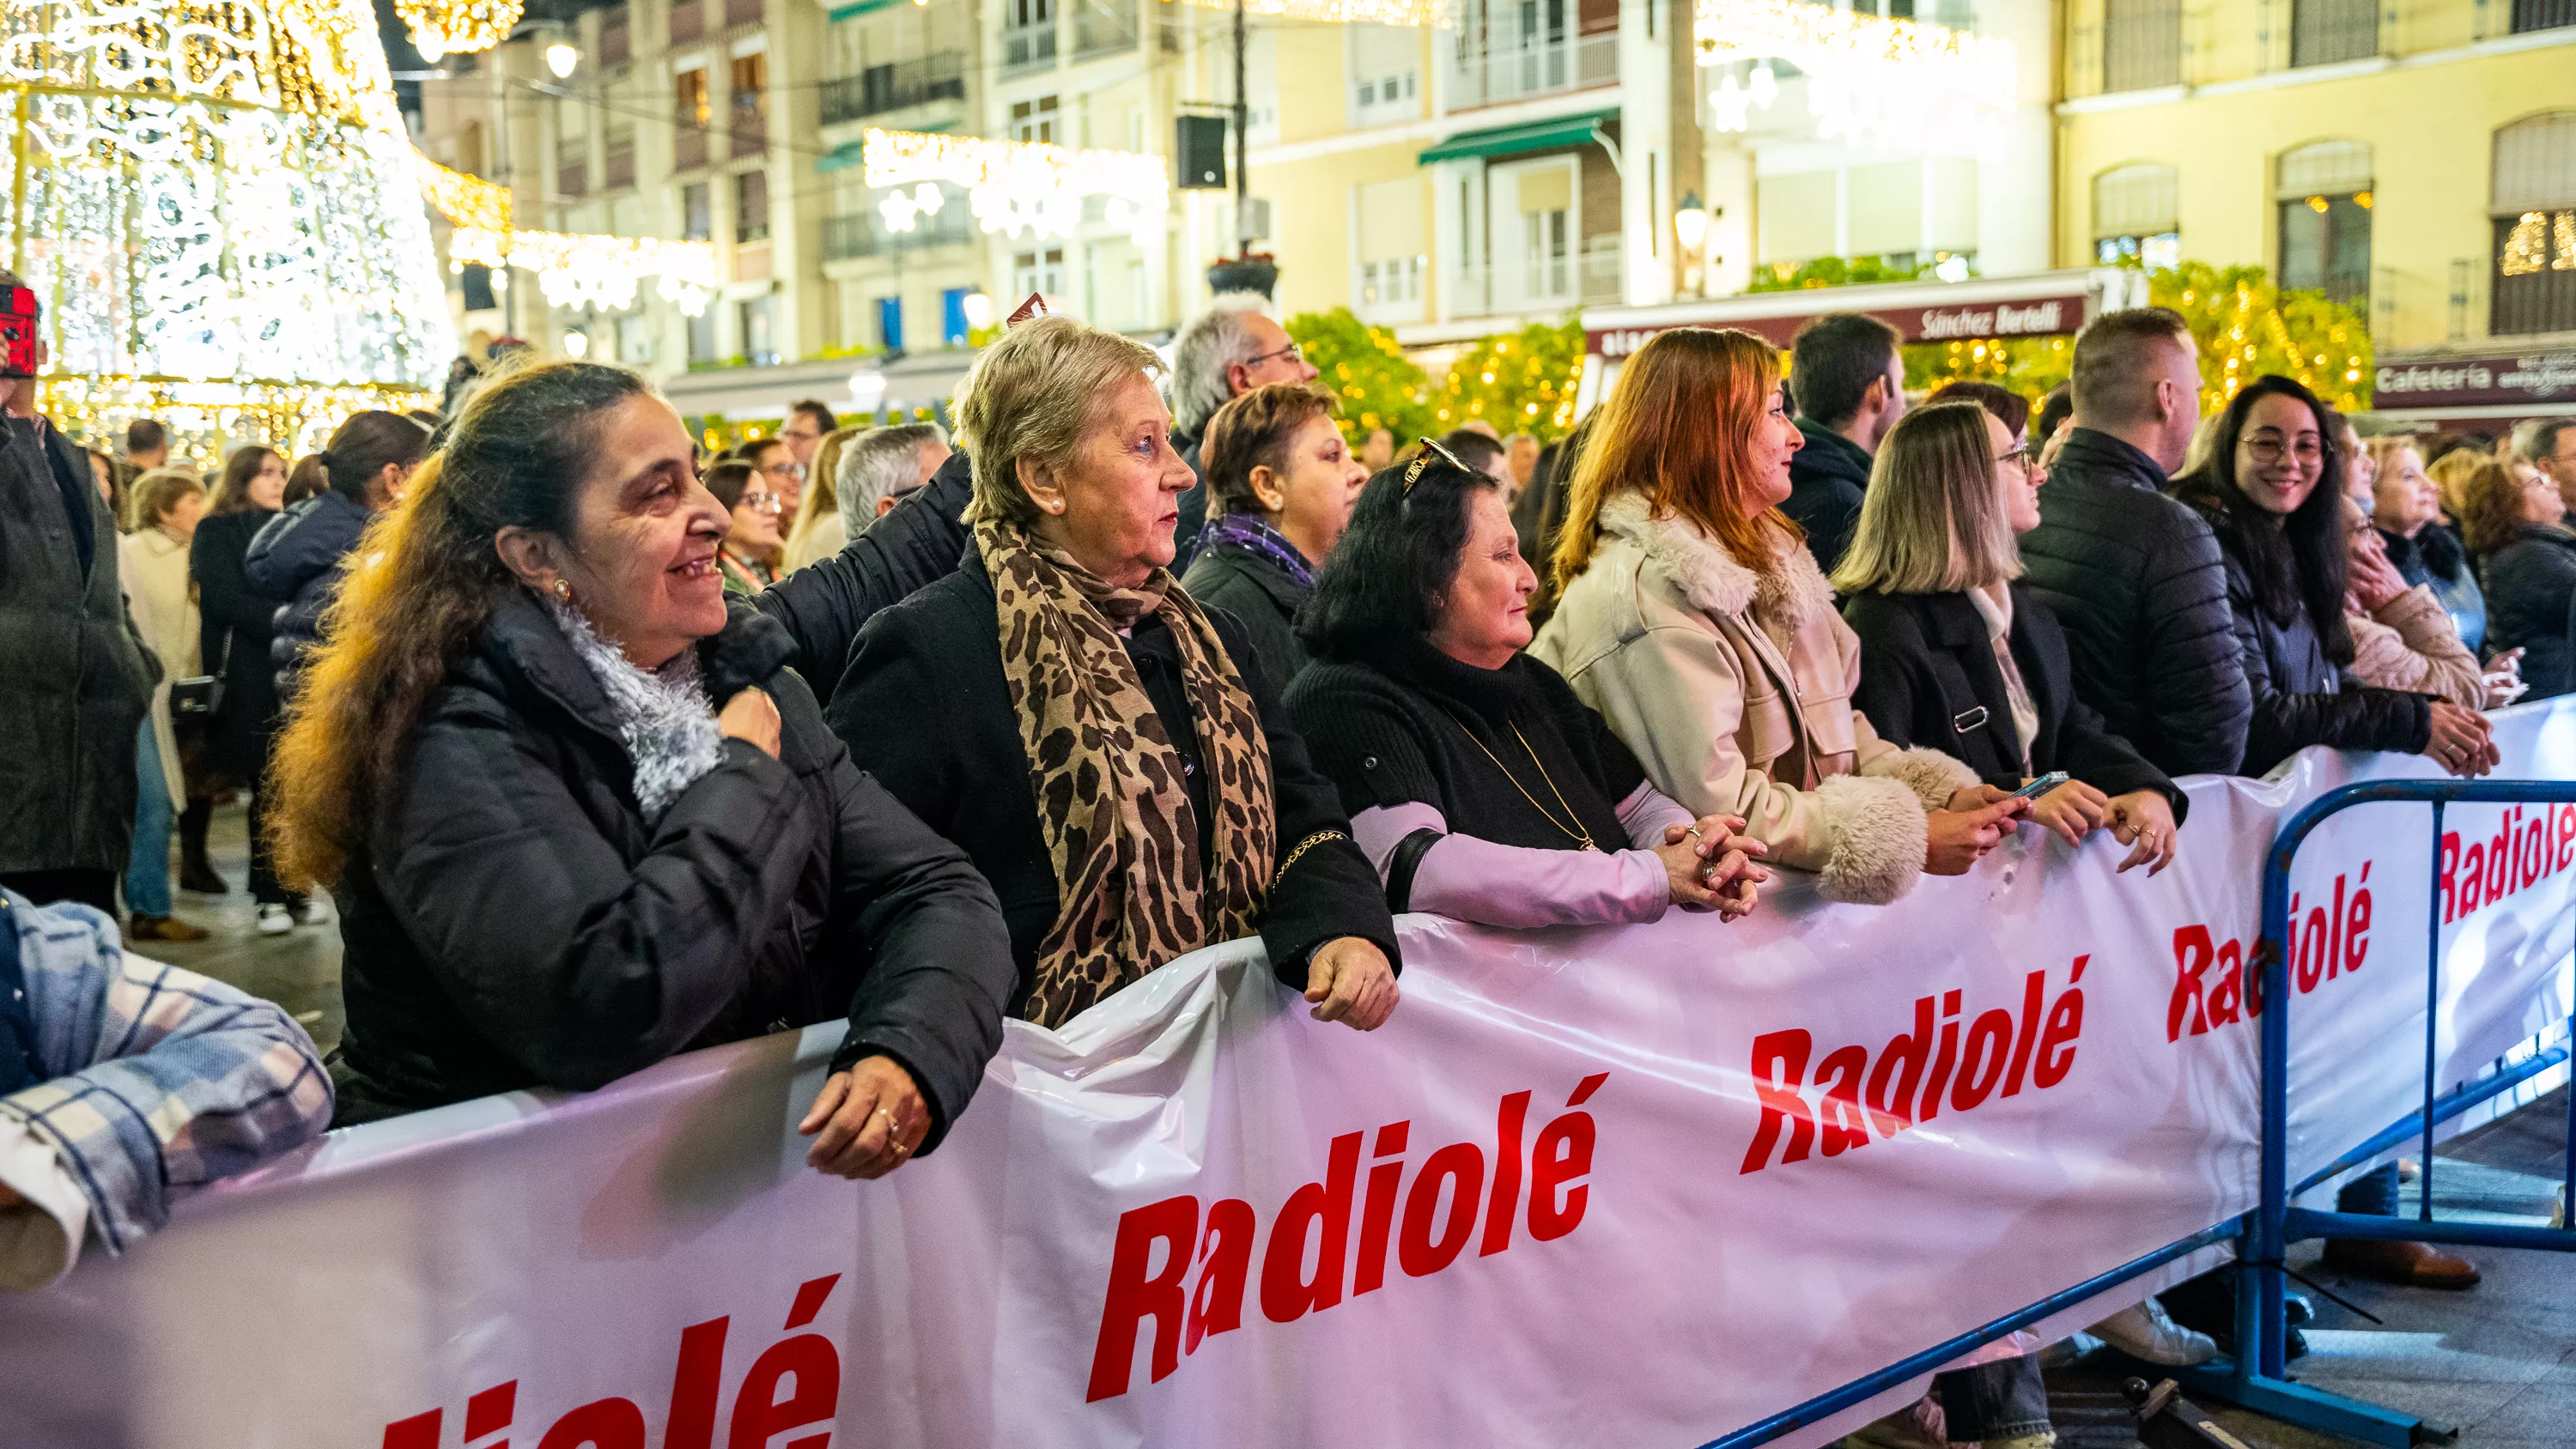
[(1932, 775), (1878, 837)]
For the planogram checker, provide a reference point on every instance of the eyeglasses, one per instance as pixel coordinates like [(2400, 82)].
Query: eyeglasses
[(1293, 352), (785, 468), (759, 502), (2266, 448), (1431, 451), (2022, 458)]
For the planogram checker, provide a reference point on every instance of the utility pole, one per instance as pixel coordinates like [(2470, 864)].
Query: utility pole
[(1242, 145)]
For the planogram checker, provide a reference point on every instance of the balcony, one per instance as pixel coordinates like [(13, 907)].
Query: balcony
[(866, 234), (750, 127), (2530, 15), (2324, 32), (742, 12), (688, 147), (688, 21), (620, 168), (2142, 45), (883, 88), (1593, 277), (1512, 70), (1104, 27), (616, 44), (1028, 48)]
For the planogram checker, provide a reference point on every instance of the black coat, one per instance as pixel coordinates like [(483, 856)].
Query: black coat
[(514, 922), (1928, 676), (2136, 581), (296, 556), (75, 681), (1185, 534), (2301, 697), (235, 633), (2531, 604), (1827, 480), (1260, 596), (917, 544), (925, 708)]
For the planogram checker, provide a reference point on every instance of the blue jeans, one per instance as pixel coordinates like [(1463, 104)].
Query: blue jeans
[(147, 870), (2005, 1399), (2374, 1192)]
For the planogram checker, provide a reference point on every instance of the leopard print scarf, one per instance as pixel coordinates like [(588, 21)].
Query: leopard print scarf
[(1113, 804)]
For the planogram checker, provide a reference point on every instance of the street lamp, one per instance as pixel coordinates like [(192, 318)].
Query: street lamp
[(562, 58), (1690, 224), (979, 310)]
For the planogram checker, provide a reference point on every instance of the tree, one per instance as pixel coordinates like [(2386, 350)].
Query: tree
[(2248, 327), (1521, 382), (1378, 385)]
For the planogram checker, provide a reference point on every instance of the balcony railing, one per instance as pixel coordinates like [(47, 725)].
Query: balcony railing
[(688, 21), (1594, 277), (1029, 48), (742, 12), (2530, 15), (572, 178), (866, 234), (883, 88), (1104, 27), (750, 126), (2323, 32), (620, 168), (2142, 45), (688, 148), (1508, 72)]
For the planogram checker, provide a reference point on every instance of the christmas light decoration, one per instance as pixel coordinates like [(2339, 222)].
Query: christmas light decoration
[(1017, 186), (457, 27), (588, 270), (462, 199), (1899, 84), (1345, 12), (209, 202)]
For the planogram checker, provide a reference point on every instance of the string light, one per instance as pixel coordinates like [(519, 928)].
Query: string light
[(462, 199), (457, 27), (1900, 84), (210, 207), (1017, 186), (590, 270), (1345, 12)]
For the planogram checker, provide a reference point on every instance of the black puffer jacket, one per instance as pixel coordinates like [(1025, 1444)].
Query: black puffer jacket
[(2135, 579), (514, 922), (1260, 595), (2531, 604), (2301, 697), (824, 603), (296, 556), (239, 624), (1827, 480)]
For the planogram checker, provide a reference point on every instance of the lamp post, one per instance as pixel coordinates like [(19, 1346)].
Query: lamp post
[(1690, 229)]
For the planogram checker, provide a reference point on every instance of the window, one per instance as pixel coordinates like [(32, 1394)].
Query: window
[(572, 166), (1028, 35), (1034, 120), (2532, 284), (697, 212), (692, 112), (2542, 14), (2323, 32), (635, 339), (688, 21), (476, 282), (469, 149), (1041, 272), (702, 337), (2135, 216), (751, 206), (890, 323), (750, 124), (1104, 27), (2325, 201), (616, 38), (1389, 238), (952, 317), (755, 321), (2141, 44), (619, 169)]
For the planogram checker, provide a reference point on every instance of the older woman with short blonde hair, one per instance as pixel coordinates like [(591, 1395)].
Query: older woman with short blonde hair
[(1166, 803)]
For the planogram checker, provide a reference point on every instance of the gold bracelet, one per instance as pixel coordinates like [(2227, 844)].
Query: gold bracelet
[(1307, 844)]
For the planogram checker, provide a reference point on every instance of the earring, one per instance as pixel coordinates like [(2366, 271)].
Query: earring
[(563, 590)]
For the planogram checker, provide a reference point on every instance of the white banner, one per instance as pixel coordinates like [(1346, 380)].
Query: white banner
[(1619, 1187)]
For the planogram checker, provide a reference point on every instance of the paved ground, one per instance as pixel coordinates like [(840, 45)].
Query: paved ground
[(2497, 1362)]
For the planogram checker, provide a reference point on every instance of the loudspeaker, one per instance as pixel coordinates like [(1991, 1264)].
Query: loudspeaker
[(1198, 153)]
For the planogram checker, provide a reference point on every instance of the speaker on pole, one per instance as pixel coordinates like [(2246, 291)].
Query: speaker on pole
[(1199, 153)]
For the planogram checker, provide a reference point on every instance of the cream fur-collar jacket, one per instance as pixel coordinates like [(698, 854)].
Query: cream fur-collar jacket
[(1734, 689)]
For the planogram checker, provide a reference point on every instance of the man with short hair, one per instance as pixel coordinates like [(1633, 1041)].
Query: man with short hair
[(1520, 460), (147, 445), (2134, 576), (807, 424), (2551, 446), (882, 467), (1477, 449), (1377, 450), (1847, 373), (1229, 350)]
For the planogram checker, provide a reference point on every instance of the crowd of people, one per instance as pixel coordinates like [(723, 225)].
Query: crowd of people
[(606, 748)]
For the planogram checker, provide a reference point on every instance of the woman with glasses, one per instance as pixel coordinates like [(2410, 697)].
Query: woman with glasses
[(2272, 489), (1956, 655), (752, 543), (1693, 618), (775, 461)]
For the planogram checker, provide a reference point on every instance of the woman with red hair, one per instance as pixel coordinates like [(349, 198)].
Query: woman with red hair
[(1691, 616)]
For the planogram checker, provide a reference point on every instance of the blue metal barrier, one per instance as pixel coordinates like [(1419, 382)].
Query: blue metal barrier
[(2256, 1379)]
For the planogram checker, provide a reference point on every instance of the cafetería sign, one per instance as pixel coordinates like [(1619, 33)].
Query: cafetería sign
[(2493, 380)]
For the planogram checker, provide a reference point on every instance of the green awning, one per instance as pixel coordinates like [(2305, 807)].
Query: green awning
[(844, 12), (1511, 140), (851, 153)]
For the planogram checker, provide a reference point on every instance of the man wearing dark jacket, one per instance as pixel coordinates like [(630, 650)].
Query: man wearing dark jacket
[(78, 679), (918, 544), (1848, 378), (2134, 576), (1229, 350)]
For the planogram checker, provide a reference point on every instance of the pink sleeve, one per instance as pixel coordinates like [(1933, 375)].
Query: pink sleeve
[(1514, 886), (1646, 812)]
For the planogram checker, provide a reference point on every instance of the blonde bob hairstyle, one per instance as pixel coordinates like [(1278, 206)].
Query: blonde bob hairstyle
[(1932, 521), (158, 491), (1678, 428), (1032, 395)]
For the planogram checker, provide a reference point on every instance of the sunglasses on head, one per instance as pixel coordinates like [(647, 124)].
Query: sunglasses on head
[(1431, 450)]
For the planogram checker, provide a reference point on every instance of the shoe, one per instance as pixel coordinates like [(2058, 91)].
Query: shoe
[(200, 877), (162, 928), (2411, 1265), (312, 912), (2297, 1309), (274, 920), (1919, 1425), (2142, 1331)]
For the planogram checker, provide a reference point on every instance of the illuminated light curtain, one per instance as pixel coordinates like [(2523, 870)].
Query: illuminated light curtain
[(211, 203), (1021, 186), (587, 270), (1900, 84), (457, 27)]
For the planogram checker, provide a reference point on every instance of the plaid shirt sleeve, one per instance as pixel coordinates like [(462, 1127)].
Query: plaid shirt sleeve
[(161, 1081)]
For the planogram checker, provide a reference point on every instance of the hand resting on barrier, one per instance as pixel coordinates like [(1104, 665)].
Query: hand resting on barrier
[(1711, 866), (869, 1120), (1973, 823), (2462, 742), (1349, 981)]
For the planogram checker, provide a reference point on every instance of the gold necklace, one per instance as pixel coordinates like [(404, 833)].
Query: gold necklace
[(1575, 830)]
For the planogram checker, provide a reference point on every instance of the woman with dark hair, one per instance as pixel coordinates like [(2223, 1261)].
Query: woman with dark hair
[(2273, 490), (304, 480), (1485, 791), (1280, 485), (580, 814), (238, 629), (1110, 754), (2514, 519), (1955, 655), (296, 556), (751, 534)]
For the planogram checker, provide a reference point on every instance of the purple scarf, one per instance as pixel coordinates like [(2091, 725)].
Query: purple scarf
[(1253, 533)]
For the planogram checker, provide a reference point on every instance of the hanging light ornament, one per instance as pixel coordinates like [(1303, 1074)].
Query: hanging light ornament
[(1904, 85), (1016, 186), (457, 27)]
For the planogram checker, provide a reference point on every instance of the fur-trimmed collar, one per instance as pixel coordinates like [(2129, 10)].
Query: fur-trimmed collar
[(1791, 592)]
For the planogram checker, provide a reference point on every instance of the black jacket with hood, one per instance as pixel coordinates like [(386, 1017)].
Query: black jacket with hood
[(1827, 480), (296, 556), (514, 921)]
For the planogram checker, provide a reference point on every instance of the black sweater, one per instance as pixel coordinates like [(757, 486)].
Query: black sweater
[(926, 709), (826, 603)]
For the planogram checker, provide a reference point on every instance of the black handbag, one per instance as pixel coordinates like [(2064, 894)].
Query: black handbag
[(196, 699)]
